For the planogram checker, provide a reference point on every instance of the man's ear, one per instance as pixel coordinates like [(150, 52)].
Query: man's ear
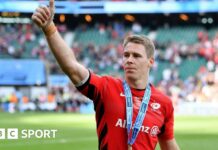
[(150, 62)]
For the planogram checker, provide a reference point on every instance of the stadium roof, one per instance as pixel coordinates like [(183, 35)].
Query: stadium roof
[(110, 7)]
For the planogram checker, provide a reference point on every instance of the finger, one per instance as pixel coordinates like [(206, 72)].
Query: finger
[(46, 9), (51, 6), (42, 12), (40, 16), (37, 20)]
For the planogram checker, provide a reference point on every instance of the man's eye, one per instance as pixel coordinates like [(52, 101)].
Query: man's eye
[(136, 56), (126, 55)]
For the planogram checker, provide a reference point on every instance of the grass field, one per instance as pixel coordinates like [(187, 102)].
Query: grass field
[(77, 132)]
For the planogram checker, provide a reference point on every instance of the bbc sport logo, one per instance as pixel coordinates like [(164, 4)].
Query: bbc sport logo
[(2, 133), (15, 133)]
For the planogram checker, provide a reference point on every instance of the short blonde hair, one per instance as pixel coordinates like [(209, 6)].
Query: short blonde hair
[(141, 39)]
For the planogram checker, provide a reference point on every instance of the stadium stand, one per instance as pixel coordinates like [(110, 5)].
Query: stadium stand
[(185, 58)]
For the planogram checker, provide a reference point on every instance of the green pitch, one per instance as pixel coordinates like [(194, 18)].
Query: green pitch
[(77, 132)]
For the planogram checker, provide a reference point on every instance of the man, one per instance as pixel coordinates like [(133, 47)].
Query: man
[(130, 114)]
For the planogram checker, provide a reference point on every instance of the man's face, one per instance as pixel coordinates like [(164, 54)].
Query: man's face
[(135, 62)]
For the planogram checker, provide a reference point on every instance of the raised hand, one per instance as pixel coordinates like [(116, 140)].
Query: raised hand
[(43, 16)]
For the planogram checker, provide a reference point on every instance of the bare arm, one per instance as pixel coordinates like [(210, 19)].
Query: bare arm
[(168, 145), (65, 57)]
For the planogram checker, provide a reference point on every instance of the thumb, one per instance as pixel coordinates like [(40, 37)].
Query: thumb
[(51, 7)]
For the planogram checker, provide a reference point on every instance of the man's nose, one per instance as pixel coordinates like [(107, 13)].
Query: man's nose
[(130, 59)]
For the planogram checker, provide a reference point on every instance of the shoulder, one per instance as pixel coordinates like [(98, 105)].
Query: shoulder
[(164, 102), (105, 79), (160, 97)]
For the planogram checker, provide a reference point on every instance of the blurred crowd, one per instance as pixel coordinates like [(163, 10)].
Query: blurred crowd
[(58, 99), (28, 42)]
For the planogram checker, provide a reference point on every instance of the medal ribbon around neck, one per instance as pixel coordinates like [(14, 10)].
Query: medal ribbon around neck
[(129, 111)]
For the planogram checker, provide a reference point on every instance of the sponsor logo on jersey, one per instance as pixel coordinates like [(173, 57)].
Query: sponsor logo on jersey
[(153, 131)]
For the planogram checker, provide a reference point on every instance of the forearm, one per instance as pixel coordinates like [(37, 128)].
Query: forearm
[(174, 147), (168, 145), (61, 51), (66, 58)]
